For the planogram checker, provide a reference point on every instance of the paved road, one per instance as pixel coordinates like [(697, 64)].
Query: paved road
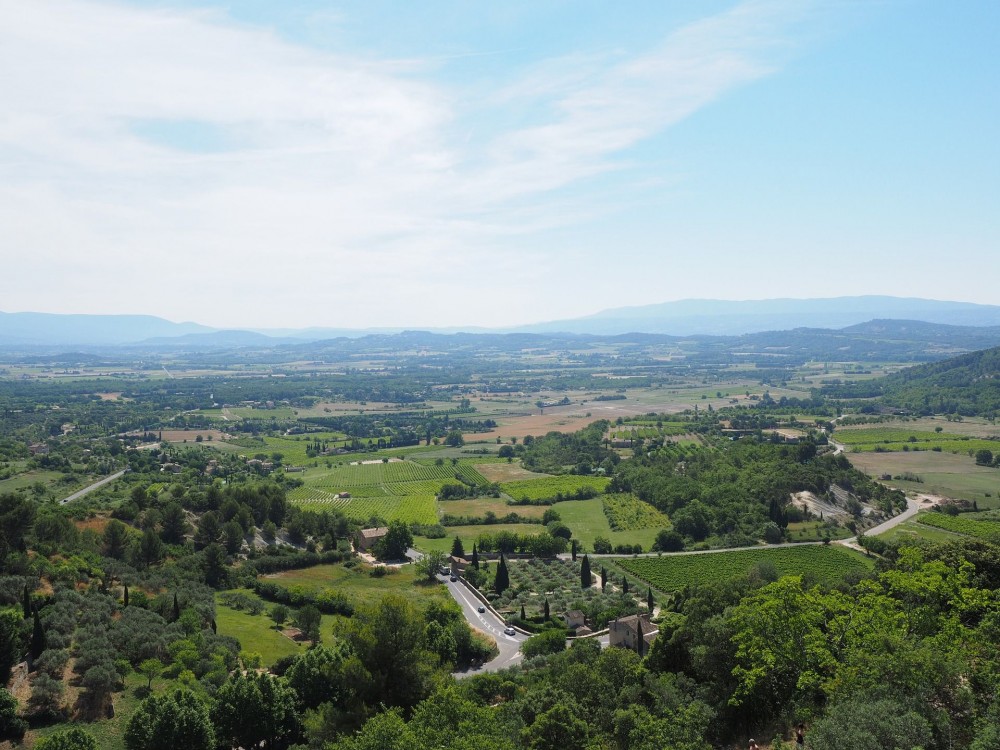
[(486, 622), (912, 508), (90, 488)]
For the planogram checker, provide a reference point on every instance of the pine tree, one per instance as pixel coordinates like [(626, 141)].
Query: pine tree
[(649, 599), (37, 637), (502, 580), (585, 578), (27, 602), (604, 579), (475, 557), (457, 549)]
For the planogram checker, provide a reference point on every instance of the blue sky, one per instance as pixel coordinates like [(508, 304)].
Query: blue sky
[(360, 164)]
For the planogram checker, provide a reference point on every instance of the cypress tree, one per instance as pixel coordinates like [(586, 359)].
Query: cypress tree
[(26, 604), (215, 628), (604, 578), (573, 549), (475, 557), (177, 608), (502, 580), (585, 579), (125, 599), (649, 599), (624, 585), (523, 615), (37, 637), (546, 609)]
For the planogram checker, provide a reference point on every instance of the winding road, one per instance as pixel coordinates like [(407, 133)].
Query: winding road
[(489, 623)]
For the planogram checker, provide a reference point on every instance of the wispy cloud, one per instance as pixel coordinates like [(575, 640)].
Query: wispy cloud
[(209, 164)]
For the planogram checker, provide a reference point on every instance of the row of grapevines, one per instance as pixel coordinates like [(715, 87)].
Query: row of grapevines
[(673, 572)]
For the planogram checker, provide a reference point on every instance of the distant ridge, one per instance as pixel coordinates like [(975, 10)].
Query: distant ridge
[(53, 329), (732, 318), (692, 317)]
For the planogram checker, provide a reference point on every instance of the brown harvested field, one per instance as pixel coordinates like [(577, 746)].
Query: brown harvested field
[(479, 507), (109, 396), (560, 419), (511, 472), (191, 436)]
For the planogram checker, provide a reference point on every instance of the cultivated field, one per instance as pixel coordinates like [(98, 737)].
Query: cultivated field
[(988, 530), (553, 487), (629, 513), (820, 562), (903, 440)]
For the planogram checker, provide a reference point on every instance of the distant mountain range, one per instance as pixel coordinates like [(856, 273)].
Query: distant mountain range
[(732, 318), (681, 318)]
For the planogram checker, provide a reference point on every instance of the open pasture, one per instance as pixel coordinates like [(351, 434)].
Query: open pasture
[(587, 521), (255, 633), (968, 427), (946, 474), (672, 572), (359, 587)]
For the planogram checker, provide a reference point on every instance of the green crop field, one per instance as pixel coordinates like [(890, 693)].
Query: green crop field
[(988, 530), (673, 572), (627, 513), (410, 509), (354, 475), (478, 507), (552, 487), (887, 439), (647, 430)]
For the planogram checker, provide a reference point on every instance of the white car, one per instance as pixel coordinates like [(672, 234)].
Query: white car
[(509, 631)]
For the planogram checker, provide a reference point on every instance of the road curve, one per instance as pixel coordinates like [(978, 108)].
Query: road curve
[(485, 622), (91, 487), (912, 508)]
